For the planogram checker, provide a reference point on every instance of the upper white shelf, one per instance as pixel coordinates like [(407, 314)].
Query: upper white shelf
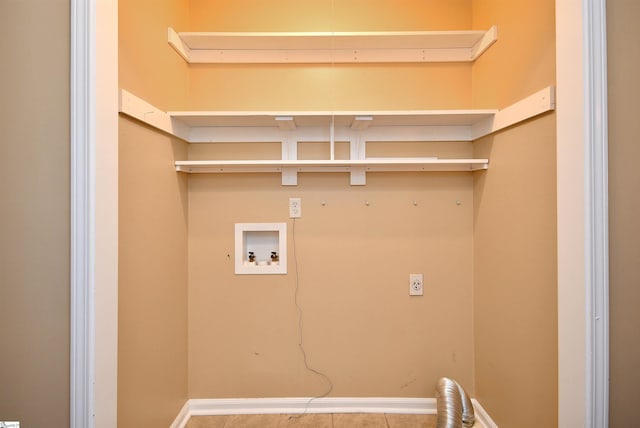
[(351, 119), (253, 126), (331, 47)]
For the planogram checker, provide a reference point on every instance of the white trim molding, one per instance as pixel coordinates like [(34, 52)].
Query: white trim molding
[(482, 416), (183, 417), (82, 210), (94, 213), (105, 332), (582, 213), (597, 209), (297, 405)]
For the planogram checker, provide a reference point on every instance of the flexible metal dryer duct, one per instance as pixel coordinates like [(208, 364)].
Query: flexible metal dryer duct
[(455, 409)]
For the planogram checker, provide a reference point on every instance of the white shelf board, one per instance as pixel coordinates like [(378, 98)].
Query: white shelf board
[(331, 47), (368, 165), (252, 126), (323, 118)]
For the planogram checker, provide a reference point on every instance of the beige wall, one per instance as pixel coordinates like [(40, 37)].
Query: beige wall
[(515, 268), (624, 209), (148, 65), (152, 300), (152, 297), (319, 87), (326, 87), (522, 61), (361, 328), (34, 215), (515, 309), (329, 15)]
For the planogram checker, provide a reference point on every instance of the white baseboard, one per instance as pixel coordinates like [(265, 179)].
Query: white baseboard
[(183, 417), (252, 406), (320, 405), (482, 416)]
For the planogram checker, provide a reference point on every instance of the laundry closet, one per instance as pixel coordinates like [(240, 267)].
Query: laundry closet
[(417, 137)]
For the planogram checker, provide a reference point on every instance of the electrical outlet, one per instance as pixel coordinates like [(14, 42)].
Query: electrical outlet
[(416, 284), (295, 207)]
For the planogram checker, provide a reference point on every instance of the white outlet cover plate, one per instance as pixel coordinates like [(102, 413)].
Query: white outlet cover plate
[(416, 284), (295, 207)]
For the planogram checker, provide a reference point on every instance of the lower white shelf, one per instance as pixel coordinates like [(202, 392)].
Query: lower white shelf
[(357, 168)]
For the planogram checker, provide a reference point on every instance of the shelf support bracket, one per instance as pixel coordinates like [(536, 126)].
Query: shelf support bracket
[(176, 42), (361, 122), (489, 38), (286, 123), (357, 151), (531, 106), (143, 111), (289, 152)]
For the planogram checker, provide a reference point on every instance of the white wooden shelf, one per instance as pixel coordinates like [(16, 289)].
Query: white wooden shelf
[(331, 47), (356, 168), (356, 128), (369, 165), (253, 126)]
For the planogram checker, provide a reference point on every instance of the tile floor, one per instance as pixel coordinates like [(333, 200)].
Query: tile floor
[(315, 420)]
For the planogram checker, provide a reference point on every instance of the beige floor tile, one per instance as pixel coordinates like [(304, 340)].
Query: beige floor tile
[(253, 421), (311, 420), (359, 420), (411, 421), (207, 422)]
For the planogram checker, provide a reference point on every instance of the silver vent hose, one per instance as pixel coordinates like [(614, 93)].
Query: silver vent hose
[(455, 409)]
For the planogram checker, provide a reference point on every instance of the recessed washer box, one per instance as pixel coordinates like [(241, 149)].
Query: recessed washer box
[(255, 245)]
